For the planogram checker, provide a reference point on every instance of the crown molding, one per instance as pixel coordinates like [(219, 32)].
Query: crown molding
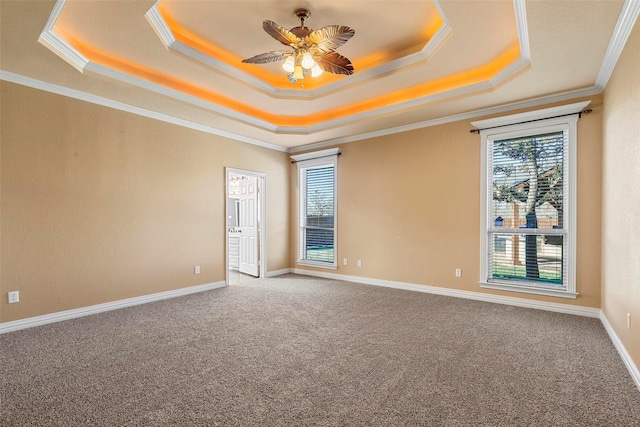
[(150, 86), (159, 25), (628, 16), (62, 48), (67, 52), (624, 26), (99, 69), (524, 62), (417, 102), (394, 66), (57, 44), (106, 102), (469, 90), (523, 30), (483, 112), (156, 20), (83, 96)]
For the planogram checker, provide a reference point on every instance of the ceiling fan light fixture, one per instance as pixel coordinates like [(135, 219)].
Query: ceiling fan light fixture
[(307, 43), (307, 61), (289, 65)]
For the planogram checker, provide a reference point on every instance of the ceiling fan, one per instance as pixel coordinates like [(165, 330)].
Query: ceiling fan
[(313, 50)]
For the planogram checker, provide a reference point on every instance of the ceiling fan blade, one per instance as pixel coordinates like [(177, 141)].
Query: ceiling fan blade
[(267, 57), (330, 37), (333, 62), (279, 33)]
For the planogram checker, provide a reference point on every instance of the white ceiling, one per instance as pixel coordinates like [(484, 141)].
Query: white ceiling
[(417, 62)]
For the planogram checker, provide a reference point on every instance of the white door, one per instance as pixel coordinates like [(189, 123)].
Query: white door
[(249, 225)]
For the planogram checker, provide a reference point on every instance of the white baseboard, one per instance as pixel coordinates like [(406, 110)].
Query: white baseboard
[(479, 296), (30, 322), (280, 272), (626, 358), (519, 302)]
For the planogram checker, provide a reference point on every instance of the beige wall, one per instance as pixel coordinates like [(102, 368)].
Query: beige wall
[(621, 201), (408, 207), (99, 205)]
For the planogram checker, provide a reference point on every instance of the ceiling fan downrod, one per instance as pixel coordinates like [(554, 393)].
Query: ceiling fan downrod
[(302, 14)]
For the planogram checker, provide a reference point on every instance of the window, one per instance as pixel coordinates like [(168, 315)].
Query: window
[(317, 208), (528, 201)]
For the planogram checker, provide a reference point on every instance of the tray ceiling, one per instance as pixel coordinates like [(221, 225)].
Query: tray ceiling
[(416, 62)]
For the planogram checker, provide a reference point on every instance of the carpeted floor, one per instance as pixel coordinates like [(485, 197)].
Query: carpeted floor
[(303, 351)]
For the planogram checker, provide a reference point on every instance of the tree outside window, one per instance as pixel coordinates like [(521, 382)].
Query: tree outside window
[(528, 173)]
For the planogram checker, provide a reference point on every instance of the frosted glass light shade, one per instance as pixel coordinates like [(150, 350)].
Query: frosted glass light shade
[(297, 73), (316, 70), (289, 65), (307, 61)]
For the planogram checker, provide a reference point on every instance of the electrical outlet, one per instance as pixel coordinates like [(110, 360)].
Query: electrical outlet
[(458, 272), (14, 297), (196, 270), (344, 261), (629, 321), (359, 263)]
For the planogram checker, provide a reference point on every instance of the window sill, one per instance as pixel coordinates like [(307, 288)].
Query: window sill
[(318, 265), (529, 290)]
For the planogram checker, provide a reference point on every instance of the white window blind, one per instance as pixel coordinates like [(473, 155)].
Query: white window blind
[(317, 214), (526, 236)]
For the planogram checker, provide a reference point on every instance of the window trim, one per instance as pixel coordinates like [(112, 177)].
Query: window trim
[(317, 159), (563, 118)]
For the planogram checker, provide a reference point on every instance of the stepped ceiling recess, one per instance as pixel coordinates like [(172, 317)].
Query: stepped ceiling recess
[(416, 62)]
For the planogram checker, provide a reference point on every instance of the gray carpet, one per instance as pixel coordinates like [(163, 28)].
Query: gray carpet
[(314, 352)]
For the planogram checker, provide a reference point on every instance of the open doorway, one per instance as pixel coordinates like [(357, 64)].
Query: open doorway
[(246, 221)]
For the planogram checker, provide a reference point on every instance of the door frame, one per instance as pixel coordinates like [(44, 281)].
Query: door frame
[(262, 214)]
